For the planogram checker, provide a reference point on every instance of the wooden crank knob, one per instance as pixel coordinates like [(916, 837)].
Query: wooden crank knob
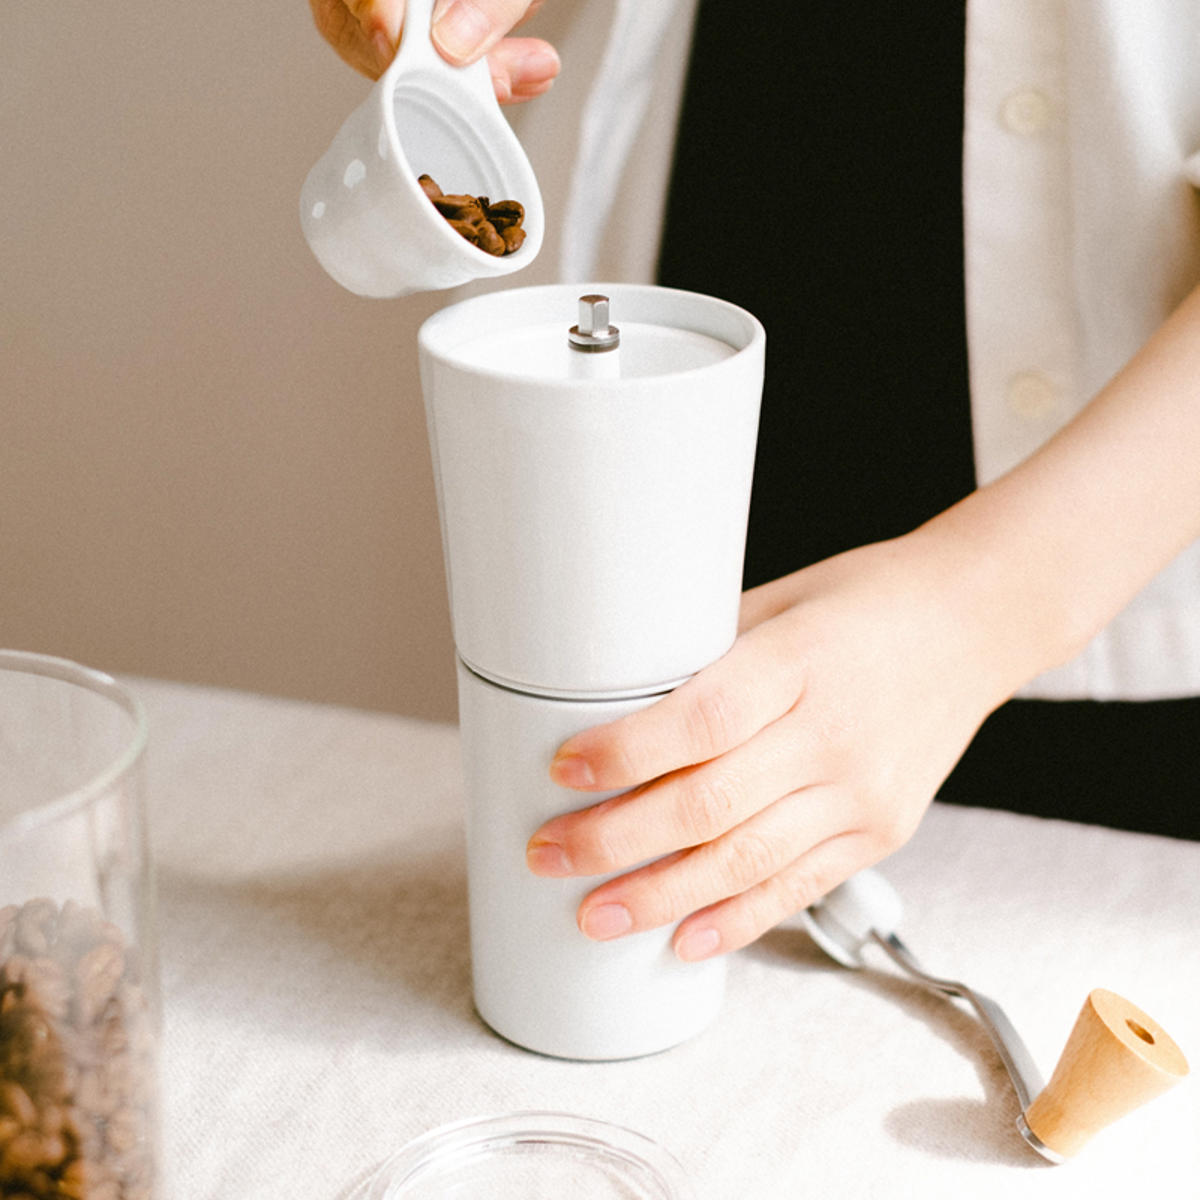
[(1116, 1059)]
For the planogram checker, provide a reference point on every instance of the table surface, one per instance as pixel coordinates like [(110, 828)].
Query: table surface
[(313, 924)]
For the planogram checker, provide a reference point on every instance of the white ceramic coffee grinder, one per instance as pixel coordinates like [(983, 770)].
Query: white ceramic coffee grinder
[(593, 448), (593, 490)]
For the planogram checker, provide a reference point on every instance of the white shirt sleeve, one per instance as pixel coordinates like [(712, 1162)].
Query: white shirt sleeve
[(1082, 233)]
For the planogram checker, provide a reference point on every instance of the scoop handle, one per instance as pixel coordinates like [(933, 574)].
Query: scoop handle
[(416, 41), (418, 53), (1115, 1060)]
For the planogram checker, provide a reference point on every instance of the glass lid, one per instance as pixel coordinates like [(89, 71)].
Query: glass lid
[(529, 1156)]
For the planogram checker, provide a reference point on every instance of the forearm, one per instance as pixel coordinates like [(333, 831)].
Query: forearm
[(1046, 555), (811, 748)]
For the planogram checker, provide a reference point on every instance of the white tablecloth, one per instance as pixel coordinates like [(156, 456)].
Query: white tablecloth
[(317, 987)]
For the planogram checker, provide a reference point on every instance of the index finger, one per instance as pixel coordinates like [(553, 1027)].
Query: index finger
[(719, 708)]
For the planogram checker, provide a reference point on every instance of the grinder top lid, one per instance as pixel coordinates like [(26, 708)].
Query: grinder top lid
[(530, 334)]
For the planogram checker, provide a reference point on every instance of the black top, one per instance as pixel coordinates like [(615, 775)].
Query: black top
[(817, 182)]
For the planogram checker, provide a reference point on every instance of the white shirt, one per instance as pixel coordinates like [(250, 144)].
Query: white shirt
[(1081, 228)]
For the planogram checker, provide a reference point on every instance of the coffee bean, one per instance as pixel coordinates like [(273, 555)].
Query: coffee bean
[(494, 228), (487, 239), (24, 1153), (96, 978), (123, 1131), (459, 208), (513, 236), (36, 925), (77, 1054), (504, 213), (8, 931), (44, 981), (15, 1101)]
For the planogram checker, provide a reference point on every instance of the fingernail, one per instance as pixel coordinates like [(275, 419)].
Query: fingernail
[(547, 858), (572, 770), (696, 944), (502, 88), (384, 47), (606, 921), (536, 63), (460, 30)]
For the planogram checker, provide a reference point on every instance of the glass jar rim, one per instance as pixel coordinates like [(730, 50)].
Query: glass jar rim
[(465, 1142), (99, 683)]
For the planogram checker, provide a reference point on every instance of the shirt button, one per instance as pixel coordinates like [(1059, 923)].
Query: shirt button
[(1032, 396), (1026, 112)]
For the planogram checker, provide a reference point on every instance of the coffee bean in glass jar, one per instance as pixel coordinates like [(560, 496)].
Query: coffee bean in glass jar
[(495, 228), (77, 1061)]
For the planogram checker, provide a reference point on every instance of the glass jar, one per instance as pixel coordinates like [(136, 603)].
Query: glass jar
[(79, 1001)]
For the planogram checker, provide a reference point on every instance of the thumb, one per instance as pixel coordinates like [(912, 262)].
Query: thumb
[(464, 30)]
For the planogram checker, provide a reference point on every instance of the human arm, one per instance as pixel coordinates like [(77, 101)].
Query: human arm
[(814, 746), (365, 33)]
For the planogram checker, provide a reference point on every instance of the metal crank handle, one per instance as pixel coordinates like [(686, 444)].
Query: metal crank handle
[(1022, 1070), (1116, 1058)]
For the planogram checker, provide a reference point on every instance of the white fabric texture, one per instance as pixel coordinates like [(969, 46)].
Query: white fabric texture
[(312, 904), (1082, 231), (618, 104)]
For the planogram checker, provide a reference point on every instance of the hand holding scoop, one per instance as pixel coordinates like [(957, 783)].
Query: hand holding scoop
[(363, 212)]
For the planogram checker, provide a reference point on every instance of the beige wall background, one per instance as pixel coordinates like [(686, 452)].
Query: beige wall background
[(213, 463)]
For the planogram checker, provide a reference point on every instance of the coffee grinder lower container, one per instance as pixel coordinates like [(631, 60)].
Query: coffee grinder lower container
[(593, 488), (538, 981)]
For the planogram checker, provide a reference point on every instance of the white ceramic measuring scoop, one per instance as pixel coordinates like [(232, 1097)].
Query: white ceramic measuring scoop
[(362, 210), (1116, 1058)]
